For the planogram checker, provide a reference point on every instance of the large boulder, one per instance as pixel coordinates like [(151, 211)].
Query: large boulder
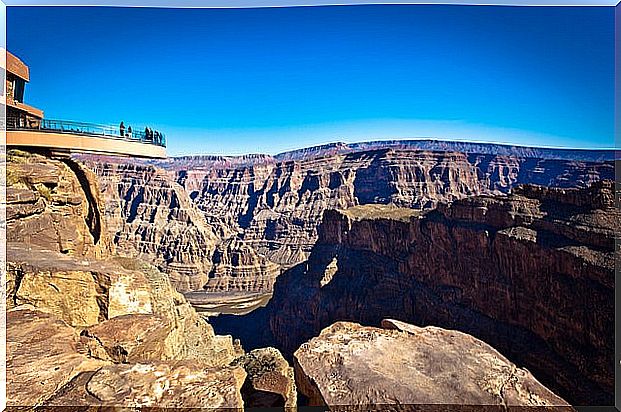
[(350, 364), (270, 381)]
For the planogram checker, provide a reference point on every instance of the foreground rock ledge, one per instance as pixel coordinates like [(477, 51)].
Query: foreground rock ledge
[(171, 384), (90, 330), (350, 364)]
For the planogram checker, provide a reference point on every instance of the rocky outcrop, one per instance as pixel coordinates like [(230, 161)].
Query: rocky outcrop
[(125, 310), (70, 322), (532, 274), (88, 328), (103, 298), (180, 384), (349, 364), (43, 354), (53, 204), (142, 345)]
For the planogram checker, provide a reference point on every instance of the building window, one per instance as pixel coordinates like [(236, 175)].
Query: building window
[(18, 89)]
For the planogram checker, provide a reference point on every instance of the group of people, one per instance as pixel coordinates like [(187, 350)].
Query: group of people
[(149, 134)]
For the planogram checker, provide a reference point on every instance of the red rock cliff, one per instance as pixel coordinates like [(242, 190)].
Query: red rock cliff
[(531, 274)]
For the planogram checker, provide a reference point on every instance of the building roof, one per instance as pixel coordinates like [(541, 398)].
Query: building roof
[(17, 67)]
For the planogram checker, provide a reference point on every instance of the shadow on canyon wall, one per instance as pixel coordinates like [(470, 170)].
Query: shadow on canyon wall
[(531, 274)]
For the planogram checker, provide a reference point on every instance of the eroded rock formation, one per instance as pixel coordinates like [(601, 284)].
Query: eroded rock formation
[(88, 328), (531, 274), (117, 312), (270, 207), (238, 267), (152, 218), (54, 204), (349, 364)]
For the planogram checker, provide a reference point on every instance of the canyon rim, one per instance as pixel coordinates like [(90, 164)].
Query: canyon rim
[(513, 250)]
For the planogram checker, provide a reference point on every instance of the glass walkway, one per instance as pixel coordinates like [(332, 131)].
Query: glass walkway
[(88, 129)]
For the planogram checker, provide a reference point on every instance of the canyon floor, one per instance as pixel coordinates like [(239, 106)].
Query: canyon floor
[(299, 279), (226, 303)]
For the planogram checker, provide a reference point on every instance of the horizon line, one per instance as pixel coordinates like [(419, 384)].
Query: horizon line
[(247, 4), (406, 139)]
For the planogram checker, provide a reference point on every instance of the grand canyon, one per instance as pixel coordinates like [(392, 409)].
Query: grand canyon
[(412, 272)]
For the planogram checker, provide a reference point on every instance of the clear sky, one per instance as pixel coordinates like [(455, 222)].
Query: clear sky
[(232, 81)]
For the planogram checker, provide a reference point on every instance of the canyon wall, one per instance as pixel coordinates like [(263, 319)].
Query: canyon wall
[(189, 215), (151, 217), (531, 274), (277, 205), (582, 155), (237, 267)]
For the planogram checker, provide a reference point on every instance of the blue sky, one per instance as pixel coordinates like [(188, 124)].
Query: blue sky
[(232, 81)]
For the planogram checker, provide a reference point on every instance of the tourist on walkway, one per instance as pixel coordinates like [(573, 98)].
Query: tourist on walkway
[(122, 129), (129, 132)]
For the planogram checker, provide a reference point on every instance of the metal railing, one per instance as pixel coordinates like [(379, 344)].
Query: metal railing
[(86, 129)]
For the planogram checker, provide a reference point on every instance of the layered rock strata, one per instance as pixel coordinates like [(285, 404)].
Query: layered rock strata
[(274, 204), (451, 146), (402, 364), (238, 267), (278, 205), (152, 218)]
